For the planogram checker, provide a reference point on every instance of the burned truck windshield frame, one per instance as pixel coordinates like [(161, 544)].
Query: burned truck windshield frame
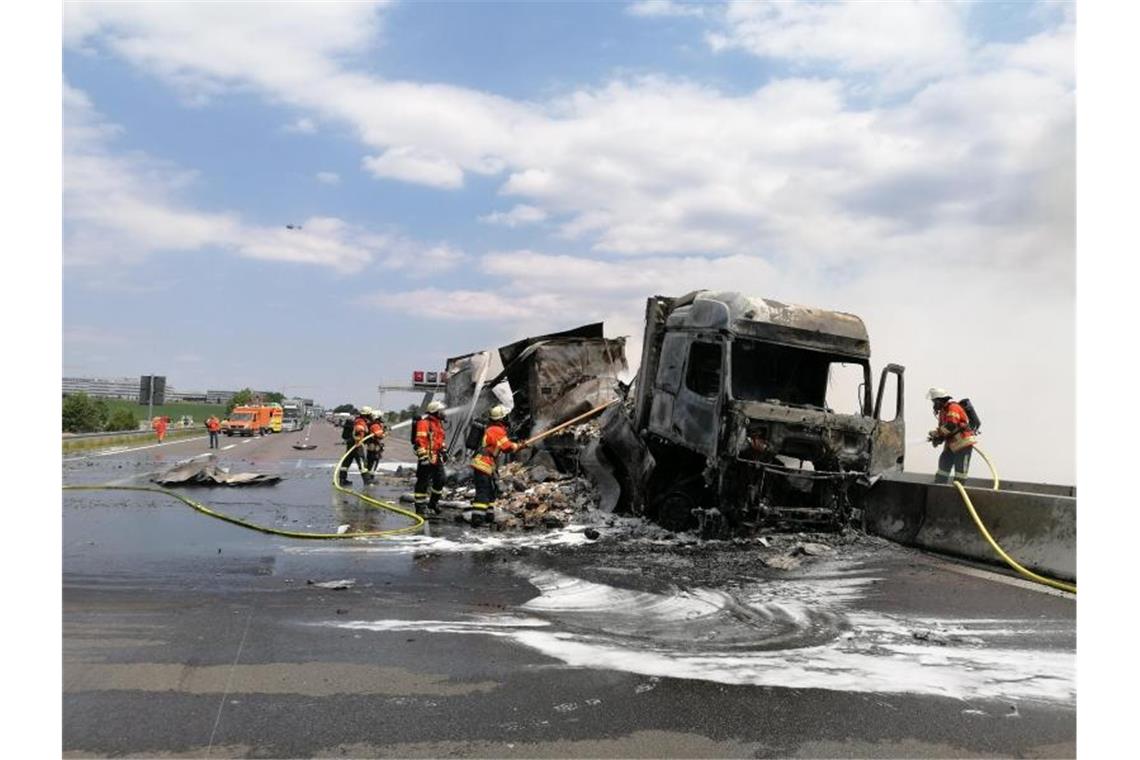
[(771, 372)]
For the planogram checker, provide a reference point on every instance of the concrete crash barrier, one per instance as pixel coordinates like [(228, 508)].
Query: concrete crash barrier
[(1037, 528)]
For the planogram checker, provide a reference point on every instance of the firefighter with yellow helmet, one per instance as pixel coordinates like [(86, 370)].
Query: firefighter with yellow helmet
[(428, 440), (495, 441), (954, 432)]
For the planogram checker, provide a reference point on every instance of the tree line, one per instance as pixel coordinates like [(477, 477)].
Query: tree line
[(83, 414)]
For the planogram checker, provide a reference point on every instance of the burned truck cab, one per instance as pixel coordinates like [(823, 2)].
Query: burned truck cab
[(752, 413)]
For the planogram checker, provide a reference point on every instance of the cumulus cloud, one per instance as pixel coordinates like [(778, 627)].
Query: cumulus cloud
[(125, 207), (905, 42), (303, 126), (665, 8), (466, 305), (518, 216), (411, 164), (419, 260)]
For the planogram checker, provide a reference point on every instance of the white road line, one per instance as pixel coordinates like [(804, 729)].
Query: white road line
[(227, 448), (1009, 581), (138, 448)]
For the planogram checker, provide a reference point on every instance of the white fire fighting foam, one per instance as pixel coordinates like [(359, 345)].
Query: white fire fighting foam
[(799, 633)]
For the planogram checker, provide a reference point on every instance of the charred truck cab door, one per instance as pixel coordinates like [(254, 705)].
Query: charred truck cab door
[(670, 370), (696, 412), (687, 391), (888, 441)]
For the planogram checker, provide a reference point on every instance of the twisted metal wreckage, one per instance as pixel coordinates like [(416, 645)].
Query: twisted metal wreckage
[(729, 424)]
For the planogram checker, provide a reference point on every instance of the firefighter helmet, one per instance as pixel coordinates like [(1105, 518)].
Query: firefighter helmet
[(366, 411), (936, 393), (498, 412), (435, 407)]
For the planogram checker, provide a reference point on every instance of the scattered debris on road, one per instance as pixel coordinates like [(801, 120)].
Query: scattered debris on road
[(207, 473), (338, 585)]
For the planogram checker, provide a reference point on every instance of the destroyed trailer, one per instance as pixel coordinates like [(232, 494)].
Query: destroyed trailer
[(749, 413), (544, 380)]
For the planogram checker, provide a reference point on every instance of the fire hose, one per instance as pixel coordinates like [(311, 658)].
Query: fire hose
[(368, 500), (986, 534)]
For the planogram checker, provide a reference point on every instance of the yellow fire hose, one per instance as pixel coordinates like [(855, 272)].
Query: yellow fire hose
[(986, 534), (200, 507)]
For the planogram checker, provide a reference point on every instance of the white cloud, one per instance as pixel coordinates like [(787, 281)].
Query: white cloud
[(466, 305), (418, 260), (414, 165), (903, 42), (303, 126), (328, 178), (664, 8), (518, 216), (124, 207)]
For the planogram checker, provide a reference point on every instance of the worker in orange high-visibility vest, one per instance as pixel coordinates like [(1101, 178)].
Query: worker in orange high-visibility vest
[(495, 441), (955, 435), (212, 427), (428, 440), (352, 434), (159, 426)]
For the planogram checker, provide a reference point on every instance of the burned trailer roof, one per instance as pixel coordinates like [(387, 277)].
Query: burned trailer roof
[(774, 321)]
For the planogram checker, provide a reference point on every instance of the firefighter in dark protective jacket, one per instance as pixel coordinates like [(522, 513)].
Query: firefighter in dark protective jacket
[(954, 432), (495, 441), (354, 432), (430, 457)]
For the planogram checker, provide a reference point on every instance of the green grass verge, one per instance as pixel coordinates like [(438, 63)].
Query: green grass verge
[(174, 411), (79, 445)]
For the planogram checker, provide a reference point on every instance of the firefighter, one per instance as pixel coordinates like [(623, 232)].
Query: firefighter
[(495, 441), (374, 446), (428, 441), (353, 432), (954, 432), (212, 427)]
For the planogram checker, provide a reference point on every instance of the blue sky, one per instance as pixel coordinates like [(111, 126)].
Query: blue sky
[(467, 174)]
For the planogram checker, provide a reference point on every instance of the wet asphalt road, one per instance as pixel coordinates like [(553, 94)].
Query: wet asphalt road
[(187, 636)]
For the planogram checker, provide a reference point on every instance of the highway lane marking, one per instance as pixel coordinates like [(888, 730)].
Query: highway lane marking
[(988, 575), (227, 448), (138, 448)]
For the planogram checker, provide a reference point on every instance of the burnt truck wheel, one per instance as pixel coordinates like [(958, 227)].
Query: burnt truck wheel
[(673, 510)]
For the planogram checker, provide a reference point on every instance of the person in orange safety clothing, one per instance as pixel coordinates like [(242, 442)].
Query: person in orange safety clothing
[(159, 426), (374, 446), (352, 434), (212, 427), (954, 432), (428, 442), (495, 441)]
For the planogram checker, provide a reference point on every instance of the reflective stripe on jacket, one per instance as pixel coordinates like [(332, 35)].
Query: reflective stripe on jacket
[(955, 425), (495, 442), (429, 438)]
